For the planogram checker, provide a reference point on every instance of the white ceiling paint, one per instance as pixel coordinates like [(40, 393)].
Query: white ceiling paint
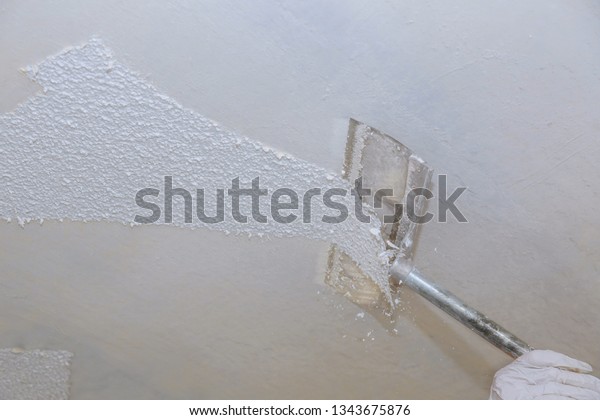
[(502, 99)]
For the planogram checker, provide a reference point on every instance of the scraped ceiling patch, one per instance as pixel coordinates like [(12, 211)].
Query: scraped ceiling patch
[(98, 133)]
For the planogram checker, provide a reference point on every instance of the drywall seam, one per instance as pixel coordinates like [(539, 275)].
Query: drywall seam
[(98, 133)]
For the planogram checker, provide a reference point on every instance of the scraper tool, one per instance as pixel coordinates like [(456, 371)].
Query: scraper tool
[(384, 164)]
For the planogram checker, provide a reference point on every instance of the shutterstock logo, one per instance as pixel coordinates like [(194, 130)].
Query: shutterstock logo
[(287, 205)]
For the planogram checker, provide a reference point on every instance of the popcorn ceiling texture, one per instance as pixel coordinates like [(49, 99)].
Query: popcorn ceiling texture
[(98, 133), (34, 374)]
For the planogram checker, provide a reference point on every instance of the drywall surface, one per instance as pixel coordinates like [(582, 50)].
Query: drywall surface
[(502, 99)]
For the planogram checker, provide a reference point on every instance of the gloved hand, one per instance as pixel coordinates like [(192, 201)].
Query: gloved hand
[(545, 375)]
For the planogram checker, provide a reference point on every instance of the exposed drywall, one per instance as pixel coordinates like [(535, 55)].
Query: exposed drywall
[(502, 99)]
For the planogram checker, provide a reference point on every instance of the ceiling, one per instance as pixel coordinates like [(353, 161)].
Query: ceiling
[(500, 99)]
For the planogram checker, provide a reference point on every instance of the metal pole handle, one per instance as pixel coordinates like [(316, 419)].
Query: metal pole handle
[(404, 272)]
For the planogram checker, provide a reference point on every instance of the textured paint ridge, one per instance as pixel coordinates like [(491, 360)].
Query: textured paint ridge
[(98, 133)]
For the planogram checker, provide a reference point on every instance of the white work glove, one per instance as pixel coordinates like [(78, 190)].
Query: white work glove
[(545, 375)]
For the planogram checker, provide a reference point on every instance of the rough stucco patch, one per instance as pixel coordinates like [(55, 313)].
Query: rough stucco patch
[(98, 133), (34, 374)]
